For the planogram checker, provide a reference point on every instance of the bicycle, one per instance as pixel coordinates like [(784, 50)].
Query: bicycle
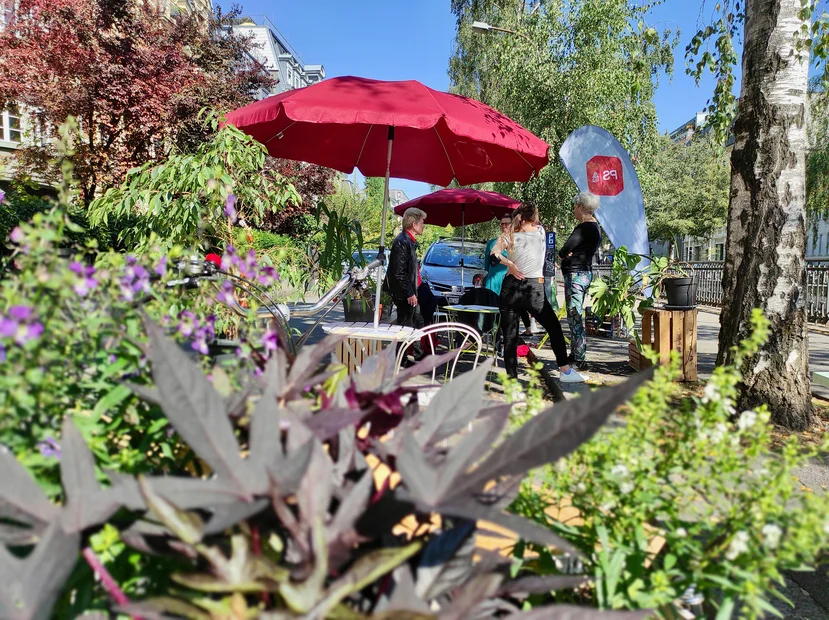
[(195, 270)]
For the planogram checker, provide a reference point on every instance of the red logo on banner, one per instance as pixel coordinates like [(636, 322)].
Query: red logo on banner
[(604, 176)]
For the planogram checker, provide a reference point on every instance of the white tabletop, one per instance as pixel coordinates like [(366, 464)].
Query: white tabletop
[(367, 331), (473, 308)]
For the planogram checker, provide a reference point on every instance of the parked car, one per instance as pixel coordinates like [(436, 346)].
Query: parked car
[(367, 257), (441, 268)]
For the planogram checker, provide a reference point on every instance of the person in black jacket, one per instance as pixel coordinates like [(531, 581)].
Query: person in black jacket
[(577, 267), (404, 274)]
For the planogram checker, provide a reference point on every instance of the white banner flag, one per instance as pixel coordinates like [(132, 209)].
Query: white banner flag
[(598, 163)]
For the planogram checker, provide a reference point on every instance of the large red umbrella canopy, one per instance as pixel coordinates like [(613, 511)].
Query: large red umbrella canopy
[(460, 206), (343, 122)]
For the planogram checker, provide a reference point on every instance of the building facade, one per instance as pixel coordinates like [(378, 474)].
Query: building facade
[(713, 248), (272, 49)]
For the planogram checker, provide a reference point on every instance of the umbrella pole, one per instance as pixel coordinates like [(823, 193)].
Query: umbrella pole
[(463, 242), (382, 254)]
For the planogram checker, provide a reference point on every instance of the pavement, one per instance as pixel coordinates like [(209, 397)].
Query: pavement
[(608, 364)]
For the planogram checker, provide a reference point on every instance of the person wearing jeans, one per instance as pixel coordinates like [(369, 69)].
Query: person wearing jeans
[(523, 290), (577, 267)]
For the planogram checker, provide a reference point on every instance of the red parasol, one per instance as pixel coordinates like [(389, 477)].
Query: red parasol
[(449, 206), (350, 122)]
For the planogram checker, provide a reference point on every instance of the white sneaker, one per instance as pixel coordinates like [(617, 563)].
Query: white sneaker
[(573, 376)]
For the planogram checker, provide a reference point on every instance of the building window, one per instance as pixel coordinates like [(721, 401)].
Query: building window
[(719, 251), (10, 125), (290, 74)]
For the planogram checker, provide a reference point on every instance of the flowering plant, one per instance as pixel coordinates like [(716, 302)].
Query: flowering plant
[(685, 493)]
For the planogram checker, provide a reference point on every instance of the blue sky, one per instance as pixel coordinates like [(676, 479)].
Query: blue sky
[(394, 39)]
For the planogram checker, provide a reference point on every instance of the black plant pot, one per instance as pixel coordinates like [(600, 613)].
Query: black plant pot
[(358, 310), (680, 292)]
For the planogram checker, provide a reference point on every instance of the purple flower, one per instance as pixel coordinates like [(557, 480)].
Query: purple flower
[(16, 235), (268, 276), (161, 267), (226, 295), (135, 280), (2, 195), (270, 341), (21, 324), (230, 207), (20, 313), (86, 282), (229, 258), (49, 448), (28, 332), (8, 327), (113, 358)]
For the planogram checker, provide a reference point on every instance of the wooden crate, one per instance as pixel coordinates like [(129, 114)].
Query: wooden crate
[(666, 331)]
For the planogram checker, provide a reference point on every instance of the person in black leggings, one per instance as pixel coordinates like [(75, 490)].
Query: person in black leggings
[(523, 290)]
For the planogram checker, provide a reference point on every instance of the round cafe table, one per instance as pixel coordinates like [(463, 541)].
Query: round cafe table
[(489, 335)]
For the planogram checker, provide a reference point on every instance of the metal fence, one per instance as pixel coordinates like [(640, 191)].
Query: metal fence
[(708, 279)]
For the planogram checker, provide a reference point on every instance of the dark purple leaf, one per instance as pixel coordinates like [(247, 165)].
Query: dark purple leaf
[(403, 597), (231, 514), (195, 409), (159, 608), (351, 507), (30, 587), (307, 364), (314, 493), (265, 436), (287, 472), (447, 561), (187, 526), (150, 394), (424, 366), (420, 478), (456, 403), (471, 594), (21, 498), (328, 422), (20, 535), (553, 433), (524, 528), (77, 475)]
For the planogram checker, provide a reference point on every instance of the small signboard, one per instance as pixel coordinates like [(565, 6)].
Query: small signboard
[(550, 256)]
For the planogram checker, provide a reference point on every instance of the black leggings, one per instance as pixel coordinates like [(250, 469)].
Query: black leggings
[(528, 295)]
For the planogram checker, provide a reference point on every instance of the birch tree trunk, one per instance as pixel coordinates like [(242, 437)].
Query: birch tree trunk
[(766, 244)]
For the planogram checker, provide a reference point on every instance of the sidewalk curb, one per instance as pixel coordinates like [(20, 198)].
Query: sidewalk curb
[(818, 329)]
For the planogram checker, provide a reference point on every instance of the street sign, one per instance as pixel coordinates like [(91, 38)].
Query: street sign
[(550, 256)]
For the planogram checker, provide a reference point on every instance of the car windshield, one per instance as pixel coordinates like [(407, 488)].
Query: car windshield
[(450, 256), (368, 256)]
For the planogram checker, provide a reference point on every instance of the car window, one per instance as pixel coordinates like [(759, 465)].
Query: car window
[(450, 256), (368, 256)]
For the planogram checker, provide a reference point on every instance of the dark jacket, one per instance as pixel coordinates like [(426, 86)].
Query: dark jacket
[(402, 274), (583, 243)]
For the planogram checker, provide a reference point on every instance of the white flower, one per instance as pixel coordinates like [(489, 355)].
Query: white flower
[(608, 506), (681, 532), (581, 487), (718, 433), (747, 419), (711, 394), (619, 470), (626, 487), (826, 527), (739, 544), (771, 535)]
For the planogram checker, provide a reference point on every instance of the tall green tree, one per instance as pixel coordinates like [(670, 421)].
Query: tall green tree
[(568, 64), (686, 189), (766, 234)]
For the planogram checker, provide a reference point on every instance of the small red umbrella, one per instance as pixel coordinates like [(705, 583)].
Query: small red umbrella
[(448, 206), (350, 122)]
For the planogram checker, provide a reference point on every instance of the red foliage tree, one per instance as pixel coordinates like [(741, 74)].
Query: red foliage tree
[(133, 79), (312, 182)]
